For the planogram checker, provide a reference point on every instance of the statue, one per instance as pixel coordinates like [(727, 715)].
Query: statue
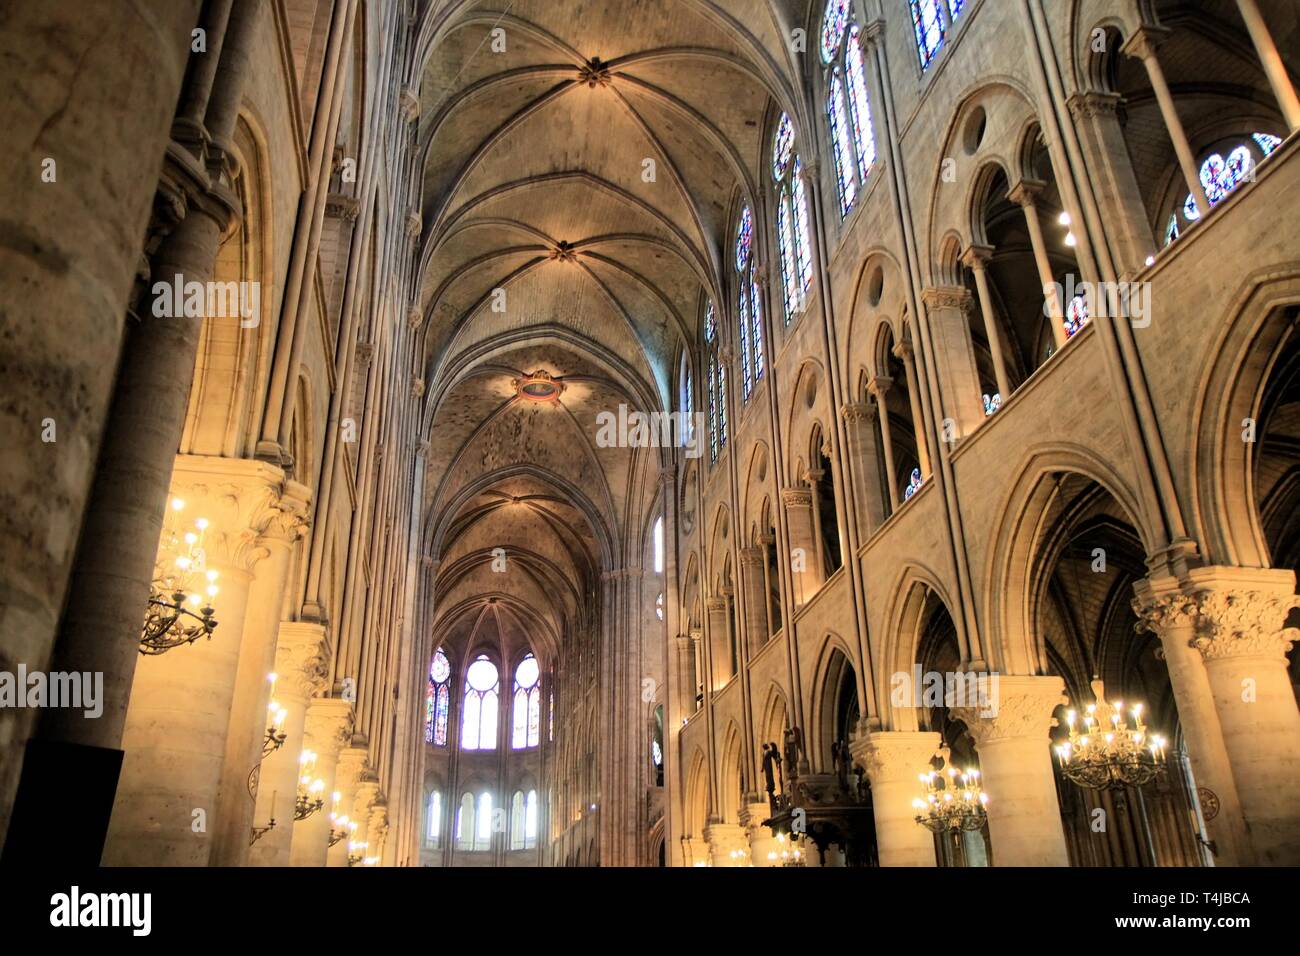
[(776, 759), (793, 747), (769, 769)]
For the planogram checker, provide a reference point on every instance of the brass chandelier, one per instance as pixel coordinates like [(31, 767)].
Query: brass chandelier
[(1107, 752), (178, 613), (955, 807)]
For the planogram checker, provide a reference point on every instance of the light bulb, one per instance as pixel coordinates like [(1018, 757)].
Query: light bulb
[(183, 563), (195, 599), (212, 575), (1063, 218), (191, 537), (1151, 260), (202, 524), (177, 504), (1070, 240)]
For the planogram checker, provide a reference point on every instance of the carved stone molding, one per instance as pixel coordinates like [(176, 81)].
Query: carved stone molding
[(879, 385), (1021, 707), (715, 604), (414, 317), (1026, 193), (594, 73), (1144, 42), (409, 103), (414, 225), (752, 557)]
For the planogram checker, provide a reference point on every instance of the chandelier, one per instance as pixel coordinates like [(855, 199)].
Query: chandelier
[(177, 613), (1107, 752), (955, 807), (791, 853)]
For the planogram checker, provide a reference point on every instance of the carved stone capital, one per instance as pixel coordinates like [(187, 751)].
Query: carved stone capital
[(878, 386), (414, 317), (904, 350), (414, 225), (1144, 42), (752, 557), (858, 413), (417, 387), (946, 297), (716, 604), (1088, 105), (301, 657), (892, 756), (873, 32), (1018, 707), (796, 497), (338, 206), (329, 724), (976, 257), (1026, 193)]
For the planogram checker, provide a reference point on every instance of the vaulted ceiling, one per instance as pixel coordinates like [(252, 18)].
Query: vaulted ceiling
[(583, 163)]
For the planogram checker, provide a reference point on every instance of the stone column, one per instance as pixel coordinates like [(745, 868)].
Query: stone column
[(959, 383), (377, 831), (864, 458), (1015, 761), (83, 187), (175, 728), (329, 729), (811, 478), (301, 668), (728, 844), (1025, 195), (1162, 608), (1236, 618), (760, 840), (894, 762), (685, 677), (878, 386), (976, 258), (803, 547), (1142, 44), (1271, 61), (363, 807), (1111, 170), (904, 351), (753, 562), (719, 640), (348, 775)]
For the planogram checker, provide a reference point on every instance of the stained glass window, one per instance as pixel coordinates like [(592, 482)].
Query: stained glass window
[(479, 710), (992, 403), (438, 701), (659, 606), (928, 25), (1076, 315), (848, 186), (955, 7), (860, 107), (785, 244), (802, 240), (1171, 230), (744, 236), (688, 404), (1266, 142), (722, 405), (913, 484), (527, 704), (782, 147), (711, 344), (657, 538), (1190, 211), (833, 21), (550, 717), (745, 383), (756, 317)]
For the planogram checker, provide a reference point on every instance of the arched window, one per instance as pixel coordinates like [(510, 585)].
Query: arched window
[(483, 822), (478, 729), (749, 306), (792, 233), (433, 818), (687, 404), (523, 820), (717, 385), (657, 746), (848, 105), (1220, 177), (438, 701), (465, 823), (659, 545), (527, 704)]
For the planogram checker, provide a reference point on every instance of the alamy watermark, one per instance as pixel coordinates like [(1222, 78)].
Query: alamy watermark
[(1115, 300), (633, 429), (917, 688), (203, 300), (78, 690)]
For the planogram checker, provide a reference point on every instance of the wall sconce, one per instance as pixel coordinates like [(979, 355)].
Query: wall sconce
[(276, 715), (259, 832), (177, 613)]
